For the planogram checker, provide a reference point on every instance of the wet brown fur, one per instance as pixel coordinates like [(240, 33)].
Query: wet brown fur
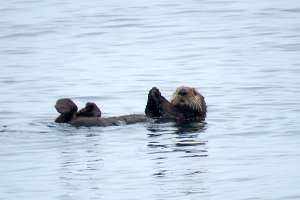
[(190, 102), (186, 104), (90, 115)]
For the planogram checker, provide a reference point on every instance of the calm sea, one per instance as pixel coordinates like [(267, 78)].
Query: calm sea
[(243, 56)]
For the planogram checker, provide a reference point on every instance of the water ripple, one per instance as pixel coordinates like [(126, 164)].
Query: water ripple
[(26, 34), (243, 56)]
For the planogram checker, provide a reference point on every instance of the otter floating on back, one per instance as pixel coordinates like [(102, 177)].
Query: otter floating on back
[(186, 104)]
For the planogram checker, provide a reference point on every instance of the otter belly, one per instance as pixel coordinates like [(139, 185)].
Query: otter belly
[(110, 121)]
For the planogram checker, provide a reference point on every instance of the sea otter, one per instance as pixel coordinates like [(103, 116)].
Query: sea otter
[(186, 104)]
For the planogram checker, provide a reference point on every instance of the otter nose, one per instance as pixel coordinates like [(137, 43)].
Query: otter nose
[(182, 93)]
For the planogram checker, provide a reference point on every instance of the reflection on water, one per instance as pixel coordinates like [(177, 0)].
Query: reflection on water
[(243, 56), (177, 138), (176, 151), (185, 127)]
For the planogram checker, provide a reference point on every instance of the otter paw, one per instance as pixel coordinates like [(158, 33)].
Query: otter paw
[(152, 107), (154, 94)]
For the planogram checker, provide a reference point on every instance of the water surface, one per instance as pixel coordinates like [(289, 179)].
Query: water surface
[(243, 56)]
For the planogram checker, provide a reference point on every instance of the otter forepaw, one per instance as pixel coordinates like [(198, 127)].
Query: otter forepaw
[(152, 107), (155, 94)]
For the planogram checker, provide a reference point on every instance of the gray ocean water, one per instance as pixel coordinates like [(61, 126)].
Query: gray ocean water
[(243, 56)]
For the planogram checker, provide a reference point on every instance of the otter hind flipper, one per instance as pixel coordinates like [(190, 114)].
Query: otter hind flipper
[(90, 110), (65, 105), (67, 108)]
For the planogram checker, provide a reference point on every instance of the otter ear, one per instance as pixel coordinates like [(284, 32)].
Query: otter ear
[(195, 92)]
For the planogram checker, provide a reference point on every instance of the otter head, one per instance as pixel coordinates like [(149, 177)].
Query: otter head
[(190, 102)]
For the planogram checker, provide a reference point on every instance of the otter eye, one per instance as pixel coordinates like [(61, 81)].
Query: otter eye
[(182, 93)]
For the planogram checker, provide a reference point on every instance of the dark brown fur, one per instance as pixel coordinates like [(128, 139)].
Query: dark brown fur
[(109, 121), (90, 110), (90, 115), (186, 104)]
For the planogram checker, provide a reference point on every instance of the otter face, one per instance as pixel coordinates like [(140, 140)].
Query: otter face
[(188, 97)]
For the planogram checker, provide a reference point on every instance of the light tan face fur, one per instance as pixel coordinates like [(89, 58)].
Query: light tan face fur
[(187, 96)]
